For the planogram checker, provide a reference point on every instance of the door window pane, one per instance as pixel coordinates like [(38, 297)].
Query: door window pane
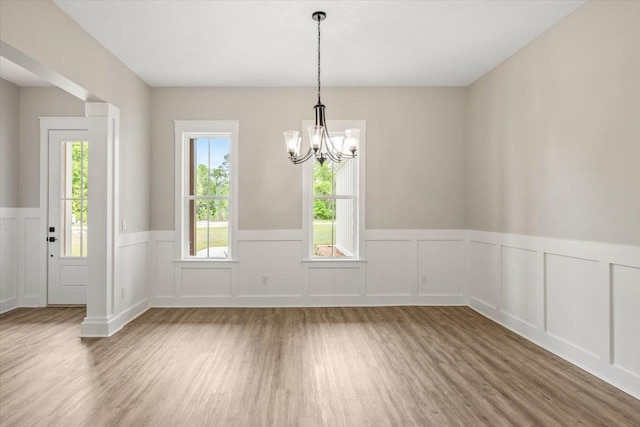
[(75, 169)]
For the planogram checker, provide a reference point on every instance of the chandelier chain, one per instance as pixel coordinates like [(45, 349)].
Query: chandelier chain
[(319, 61)]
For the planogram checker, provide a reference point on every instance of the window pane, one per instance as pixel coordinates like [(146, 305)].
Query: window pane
[(345, 227), (85, 170), (219, 229), (209, 166), (334, 236), (199, 227), (323, 228), (218, 176), (75, 168), (67, 240), (210, 229), (345, 178), (84, 228), (199, 166), (323, 178)]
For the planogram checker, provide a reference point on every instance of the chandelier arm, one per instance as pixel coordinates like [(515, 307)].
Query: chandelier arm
[(333, 157), (349, 155), (330, 146), (304, 158)]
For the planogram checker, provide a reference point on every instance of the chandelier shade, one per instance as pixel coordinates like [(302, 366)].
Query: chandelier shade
[(322, 145)]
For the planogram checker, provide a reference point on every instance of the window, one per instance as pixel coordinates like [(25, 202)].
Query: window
[(206, 184), (334, 208)]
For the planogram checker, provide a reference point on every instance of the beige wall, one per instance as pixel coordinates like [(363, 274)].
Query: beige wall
[(554, 132), (552, 145), (9, 143), (38, 102), (42, 31), (415, 154)]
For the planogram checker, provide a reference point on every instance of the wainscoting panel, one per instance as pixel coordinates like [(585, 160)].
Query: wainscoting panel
[(9, 259), (391, 267), (32, 265), (334, 281), (133, 274), (522, 290), (205, 282), (22, 259), (441, 267), (626, 318), (575, 313), (577, 299), (484, 281), (270, 268), (164, 284)]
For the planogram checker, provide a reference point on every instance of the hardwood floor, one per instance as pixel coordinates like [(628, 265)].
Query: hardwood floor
[(374, 366)]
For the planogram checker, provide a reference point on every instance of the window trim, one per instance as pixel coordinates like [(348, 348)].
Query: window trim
[(307, 193), (184, 130)]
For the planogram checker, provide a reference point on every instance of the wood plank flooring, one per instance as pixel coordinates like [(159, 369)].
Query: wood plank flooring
[(378, 366)]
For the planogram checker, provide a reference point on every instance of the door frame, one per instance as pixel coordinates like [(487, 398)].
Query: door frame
[(48, 124)]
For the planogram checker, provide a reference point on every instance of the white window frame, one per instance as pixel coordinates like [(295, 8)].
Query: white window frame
[(184, 130), (308, 196)]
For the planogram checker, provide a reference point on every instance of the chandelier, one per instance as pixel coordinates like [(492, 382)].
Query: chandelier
[(322, 145)]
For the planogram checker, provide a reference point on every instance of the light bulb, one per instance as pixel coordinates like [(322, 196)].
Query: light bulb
[(292, 141), (315, 137)]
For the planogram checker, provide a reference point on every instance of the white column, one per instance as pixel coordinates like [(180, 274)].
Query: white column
[(103, 124)]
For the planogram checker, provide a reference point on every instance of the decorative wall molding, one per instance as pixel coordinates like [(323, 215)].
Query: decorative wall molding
[(9, 259), (576, 299), (20, 266), (270, 271)]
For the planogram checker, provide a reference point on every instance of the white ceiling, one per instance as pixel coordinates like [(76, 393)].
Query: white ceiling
[(17, 75), (273, 43)]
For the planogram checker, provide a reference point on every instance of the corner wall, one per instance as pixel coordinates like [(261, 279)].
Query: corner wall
[(553, 158), (553, 133)]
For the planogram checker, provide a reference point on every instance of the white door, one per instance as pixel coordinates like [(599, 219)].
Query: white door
[(68, 220)]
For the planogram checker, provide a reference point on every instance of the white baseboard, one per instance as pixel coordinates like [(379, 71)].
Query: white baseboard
[(8, 305), (97, 327), (30, 301)]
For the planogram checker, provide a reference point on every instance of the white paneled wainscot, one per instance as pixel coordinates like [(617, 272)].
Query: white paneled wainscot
[(399, 267), (131, 287), (579, 300), (22, 272)]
